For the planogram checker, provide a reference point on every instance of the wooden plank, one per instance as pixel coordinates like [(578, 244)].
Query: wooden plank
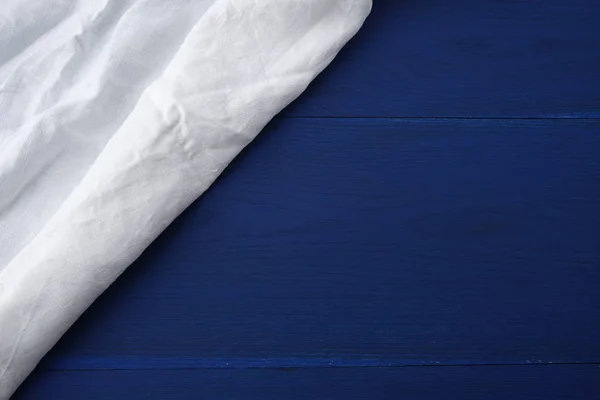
[(469, 58), (404, 242), (421, 383)]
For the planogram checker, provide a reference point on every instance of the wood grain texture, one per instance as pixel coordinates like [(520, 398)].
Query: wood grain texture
[(385, 242), (421, 383), (467, 58), (346, 254)]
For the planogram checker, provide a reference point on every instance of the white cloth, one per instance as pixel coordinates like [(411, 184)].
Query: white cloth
[(114, 116)]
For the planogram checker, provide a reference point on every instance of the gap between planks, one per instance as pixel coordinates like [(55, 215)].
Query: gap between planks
[(197, 363), (451, 118)]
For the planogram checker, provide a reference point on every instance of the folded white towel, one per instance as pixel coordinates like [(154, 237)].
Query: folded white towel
[(114, 116)]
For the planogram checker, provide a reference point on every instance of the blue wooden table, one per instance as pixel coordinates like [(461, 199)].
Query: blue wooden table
[(423, 223)]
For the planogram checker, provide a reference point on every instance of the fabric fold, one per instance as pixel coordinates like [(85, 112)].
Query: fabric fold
[(239, 65)]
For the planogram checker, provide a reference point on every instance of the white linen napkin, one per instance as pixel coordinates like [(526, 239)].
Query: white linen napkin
[(115, 115)]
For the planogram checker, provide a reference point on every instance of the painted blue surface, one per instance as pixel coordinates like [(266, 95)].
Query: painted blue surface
[(557, 382), (421, 224)]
